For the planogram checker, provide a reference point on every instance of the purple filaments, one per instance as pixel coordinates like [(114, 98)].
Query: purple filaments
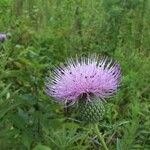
[(87, 76), (3, 37)]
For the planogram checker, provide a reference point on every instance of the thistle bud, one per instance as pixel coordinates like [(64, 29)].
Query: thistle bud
[(91, 111)]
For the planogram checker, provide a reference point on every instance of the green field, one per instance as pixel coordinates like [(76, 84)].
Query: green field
[(42, 34)]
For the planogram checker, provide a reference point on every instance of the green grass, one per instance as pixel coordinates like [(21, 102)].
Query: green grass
[(45, 33)]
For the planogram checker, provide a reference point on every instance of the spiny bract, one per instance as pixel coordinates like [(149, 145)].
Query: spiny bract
[(91, 75), (92, 111)]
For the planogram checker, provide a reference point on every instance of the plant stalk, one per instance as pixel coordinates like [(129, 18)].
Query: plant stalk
[(100, 137)]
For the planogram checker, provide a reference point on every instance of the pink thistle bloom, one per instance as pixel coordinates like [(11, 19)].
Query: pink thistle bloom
[(85, 76), (3, 37)]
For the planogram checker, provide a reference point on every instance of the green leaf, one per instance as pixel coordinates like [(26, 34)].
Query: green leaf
[(5, 91), (41, 147), (8, 107), (118, 145), (26, 99), (27, 139)]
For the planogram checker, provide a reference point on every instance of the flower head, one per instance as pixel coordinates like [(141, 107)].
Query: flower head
[(3, 37), (84, 77)]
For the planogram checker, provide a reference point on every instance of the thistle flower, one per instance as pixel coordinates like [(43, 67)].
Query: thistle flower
[(3, 37), (84, 77), (88, 81)]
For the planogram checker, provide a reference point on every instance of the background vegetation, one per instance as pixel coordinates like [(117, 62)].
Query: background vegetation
[(44, 33)]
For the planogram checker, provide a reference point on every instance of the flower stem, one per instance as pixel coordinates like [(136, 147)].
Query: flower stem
[(100, 137)]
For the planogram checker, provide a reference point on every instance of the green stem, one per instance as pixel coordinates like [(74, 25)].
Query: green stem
[(100, 137)]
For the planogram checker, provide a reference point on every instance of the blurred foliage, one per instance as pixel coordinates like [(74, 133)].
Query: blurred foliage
[(44, 33)]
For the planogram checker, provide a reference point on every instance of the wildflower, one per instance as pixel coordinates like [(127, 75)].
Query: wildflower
[(84, 78), (3, 37), (88, 81)]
